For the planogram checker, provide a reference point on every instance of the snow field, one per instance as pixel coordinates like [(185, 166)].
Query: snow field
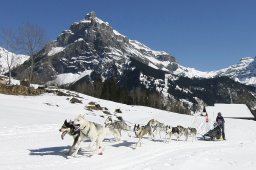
[(30, 138)]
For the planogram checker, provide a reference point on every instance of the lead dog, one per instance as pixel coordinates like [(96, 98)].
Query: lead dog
[(95, 132), (69, 128)]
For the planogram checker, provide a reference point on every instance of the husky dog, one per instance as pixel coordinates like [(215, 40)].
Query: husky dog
[(153, 123), (177, 131), (95, 132), (141, 131), (168, 131), (159, 129), (118, 125), (136, 130), (190, 132), (181, 131), (69, 128)]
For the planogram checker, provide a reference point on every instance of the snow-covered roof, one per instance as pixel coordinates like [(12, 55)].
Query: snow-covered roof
[(229, 110)]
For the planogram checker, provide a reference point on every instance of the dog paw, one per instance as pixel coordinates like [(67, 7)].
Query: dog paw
[(73, 156), (69, 157)]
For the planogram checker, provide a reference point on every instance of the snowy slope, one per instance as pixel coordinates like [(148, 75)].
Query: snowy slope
[(29, 133), (244, 71), (17, 59), (192, 72)]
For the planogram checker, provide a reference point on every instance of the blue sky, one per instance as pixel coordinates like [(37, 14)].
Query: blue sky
[(204, 34)]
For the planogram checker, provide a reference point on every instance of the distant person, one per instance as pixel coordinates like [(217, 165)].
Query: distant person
[(206, 117), (207, 123), (221, 122)]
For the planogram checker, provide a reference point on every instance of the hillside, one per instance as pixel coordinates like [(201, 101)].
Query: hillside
[(30, 136)]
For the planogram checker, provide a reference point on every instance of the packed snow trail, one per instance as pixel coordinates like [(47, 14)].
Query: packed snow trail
[(30, 139)]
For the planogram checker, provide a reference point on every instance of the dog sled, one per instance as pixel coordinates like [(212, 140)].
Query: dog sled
[(213, 134)]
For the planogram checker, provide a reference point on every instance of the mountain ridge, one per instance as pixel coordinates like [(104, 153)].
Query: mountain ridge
[(92, 44), (243, 72), (93, 58)]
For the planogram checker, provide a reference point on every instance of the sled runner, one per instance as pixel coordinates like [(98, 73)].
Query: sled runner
[(213, 134)]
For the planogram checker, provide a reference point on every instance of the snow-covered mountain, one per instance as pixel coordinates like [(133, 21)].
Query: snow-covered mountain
[(14, 59), (90, 52), (243, 72), (92, 45)]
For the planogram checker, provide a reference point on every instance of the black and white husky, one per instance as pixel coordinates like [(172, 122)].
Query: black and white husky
[(69, 128), (190, 132), (118, 125), (157, 127), (141, 131), (177, 131)]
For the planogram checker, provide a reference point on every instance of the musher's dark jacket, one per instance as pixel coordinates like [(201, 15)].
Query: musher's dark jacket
[(220, 120)]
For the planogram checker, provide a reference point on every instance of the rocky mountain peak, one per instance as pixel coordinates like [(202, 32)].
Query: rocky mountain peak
[(95, 38), (91, 15), (91, 28), (91, 53), (92, 45), (247, 60)]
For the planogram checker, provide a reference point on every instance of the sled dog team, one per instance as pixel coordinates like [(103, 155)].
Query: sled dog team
[(81, 129)]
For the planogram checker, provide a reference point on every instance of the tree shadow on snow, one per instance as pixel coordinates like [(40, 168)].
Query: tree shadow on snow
[(58, 150)]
